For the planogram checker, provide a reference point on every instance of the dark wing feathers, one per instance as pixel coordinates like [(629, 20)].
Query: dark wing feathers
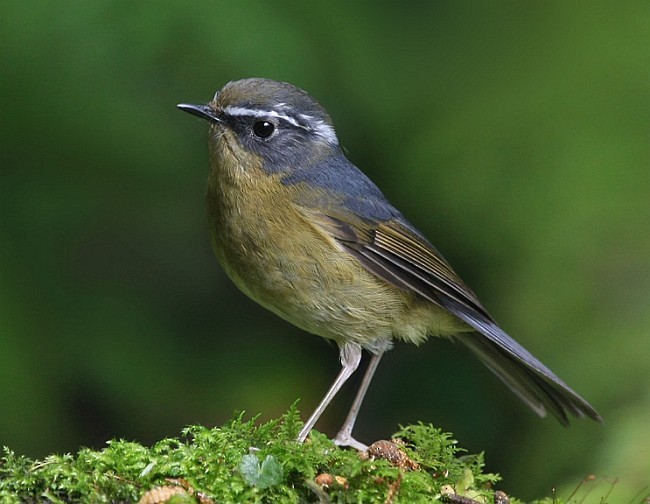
[(398, 254)]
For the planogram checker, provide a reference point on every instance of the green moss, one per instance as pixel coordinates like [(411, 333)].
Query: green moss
[(246, 462)]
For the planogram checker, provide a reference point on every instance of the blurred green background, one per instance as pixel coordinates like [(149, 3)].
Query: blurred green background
[(514, 135)]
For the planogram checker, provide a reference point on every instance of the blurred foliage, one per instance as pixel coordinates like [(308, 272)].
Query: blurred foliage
[(514, 135)]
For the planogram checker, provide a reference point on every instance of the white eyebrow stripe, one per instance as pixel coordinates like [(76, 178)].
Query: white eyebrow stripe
[(242, 111), (322, 128), (319, 127)]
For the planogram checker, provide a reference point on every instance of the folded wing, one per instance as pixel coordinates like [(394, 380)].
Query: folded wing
[(396, 253)]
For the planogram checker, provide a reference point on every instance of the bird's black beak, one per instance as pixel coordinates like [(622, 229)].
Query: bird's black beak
[(203, 111)]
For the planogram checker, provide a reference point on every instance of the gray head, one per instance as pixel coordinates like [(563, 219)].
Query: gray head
[(277, 121)]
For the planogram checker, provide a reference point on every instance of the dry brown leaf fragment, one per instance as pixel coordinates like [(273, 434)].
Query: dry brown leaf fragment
[(393, 489), (501, 497), (326, 480), (391, 451), (163, 494)]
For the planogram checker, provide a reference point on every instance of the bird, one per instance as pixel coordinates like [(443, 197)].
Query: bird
[(306, 234)]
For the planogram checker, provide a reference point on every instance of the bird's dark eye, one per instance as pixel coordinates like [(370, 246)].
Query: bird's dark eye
[(263, 129)]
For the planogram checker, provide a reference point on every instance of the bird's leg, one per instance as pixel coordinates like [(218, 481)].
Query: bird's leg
[(344, 437), (350, 354)]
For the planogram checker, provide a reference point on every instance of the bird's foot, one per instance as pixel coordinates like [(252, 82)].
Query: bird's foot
[(344, 438)]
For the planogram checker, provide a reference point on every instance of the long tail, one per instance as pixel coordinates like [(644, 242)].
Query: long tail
[(528, 378)]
